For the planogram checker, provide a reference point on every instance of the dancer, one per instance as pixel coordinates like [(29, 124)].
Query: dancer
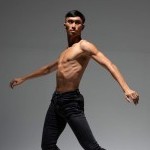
[(67, 103)]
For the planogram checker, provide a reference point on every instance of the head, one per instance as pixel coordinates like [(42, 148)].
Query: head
[(74, 22)]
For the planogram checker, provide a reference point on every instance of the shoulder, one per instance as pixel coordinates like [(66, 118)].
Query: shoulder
[(84, 44), (87, 46)]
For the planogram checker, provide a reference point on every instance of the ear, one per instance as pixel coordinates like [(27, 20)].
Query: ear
[(65, 25), (83, 26)]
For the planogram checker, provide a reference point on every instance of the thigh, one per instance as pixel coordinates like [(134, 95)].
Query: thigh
[(53, 127), (82, 130)]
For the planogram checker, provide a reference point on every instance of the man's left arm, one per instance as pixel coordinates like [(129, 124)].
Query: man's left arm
[(99, 57)]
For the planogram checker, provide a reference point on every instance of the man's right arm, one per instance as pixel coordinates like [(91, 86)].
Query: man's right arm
[(40, 72)]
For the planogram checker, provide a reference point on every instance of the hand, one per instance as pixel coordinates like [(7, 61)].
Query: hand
[(16, 82), (132, 96)]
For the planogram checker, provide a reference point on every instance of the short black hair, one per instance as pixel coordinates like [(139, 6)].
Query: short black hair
[(75, 13)]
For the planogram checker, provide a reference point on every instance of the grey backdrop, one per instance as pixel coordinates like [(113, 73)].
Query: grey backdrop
[(32, 34)]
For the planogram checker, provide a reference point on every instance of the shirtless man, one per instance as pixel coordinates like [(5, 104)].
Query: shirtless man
[(67, 104)]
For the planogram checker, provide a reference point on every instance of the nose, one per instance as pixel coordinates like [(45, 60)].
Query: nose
[(73, 25)]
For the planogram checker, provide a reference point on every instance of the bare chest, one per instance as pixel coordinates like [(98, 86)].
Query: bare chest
[(72, 59), (70, 54)]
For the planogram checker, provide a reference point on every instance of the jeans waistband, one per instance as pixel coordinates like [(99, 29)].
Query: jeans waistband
[(75, 92)]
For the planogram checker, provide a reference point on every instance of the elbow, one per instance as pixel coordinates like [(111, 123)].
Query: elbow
[(49, 69), (114, 67), (45, 70)]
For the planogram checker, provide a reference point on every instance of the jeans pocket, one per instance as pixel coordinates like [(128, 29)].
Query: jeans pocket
[(71, 109)]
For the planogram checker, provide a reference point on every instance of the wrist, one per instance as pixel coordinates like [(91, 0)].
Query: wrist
[(127, 90)]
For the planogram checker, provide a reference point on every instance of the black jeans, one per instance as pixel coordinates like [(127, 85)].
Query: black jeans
[(68, 108)]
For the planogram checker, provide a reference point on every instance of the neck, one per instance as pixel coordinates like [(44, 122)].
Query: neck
[(73, 40)]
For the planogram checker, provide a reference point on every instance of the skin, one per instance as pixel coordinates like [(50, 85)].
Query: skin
[(73, 61)]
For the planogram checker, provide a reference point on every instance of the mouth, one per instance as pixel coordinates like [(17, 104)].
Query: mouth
[(72, 31)]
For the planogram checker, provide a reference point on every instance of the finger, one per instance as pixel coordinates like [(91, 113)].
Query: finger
[(136, 101), (134, 95), (128, 99), (136, 98), (11, 84)]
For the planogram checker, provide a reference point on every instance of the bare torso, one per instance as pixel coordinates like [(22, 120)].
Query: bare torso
[(71, 66)]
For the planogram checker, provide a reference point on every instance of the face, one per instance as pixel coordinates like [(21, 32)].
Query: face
[(74, 25)]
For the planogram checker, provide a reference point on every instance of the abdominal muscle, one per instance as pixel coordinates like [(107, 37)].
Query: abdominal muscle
[(68, 76)]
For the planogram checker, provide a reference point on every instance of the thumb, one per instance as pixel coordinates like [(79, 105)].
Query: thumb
[(127, 98)]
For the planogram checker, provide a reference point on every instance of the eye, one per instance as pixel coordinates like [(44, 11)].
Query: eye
[(77, 22), (70, 21)]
